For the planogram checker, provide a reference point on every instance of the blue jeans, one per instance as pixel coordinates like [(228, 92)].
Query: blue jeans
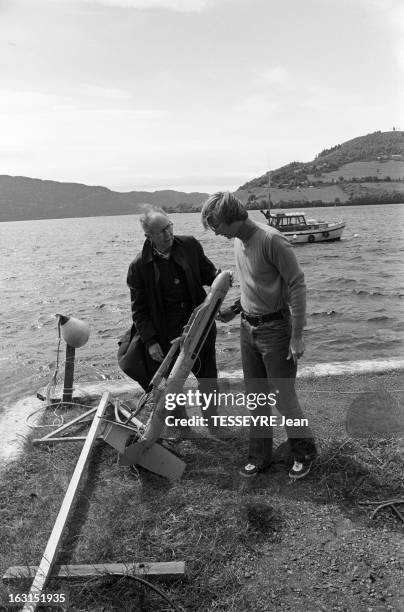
[(264, 351)]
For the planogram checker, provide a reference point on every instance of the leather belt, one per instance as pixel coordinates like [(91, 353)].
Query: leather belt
[(260, 319)]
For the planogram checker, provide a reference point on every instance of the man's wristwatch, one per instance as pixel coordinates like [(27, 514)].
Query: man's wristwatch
[(236, 307)]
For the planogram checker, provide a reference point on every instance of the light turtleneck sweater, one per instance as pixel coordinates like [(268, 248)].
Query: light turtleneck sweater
[(269, 273)]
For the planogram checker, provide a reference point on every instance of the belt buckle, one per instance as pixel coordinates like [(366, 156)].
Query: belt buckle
[(254, 320)]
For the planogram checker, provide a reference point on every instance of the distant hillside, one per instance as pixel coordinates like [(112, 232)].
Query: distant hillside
[(367, 169), (26, 198)]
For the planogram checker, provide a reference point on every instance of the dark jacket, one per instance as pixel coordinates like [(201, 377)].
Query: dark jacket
[(143, 281)]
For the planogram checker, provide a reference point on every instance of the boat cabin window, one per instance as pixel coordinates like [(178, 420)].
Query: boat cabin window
[(285, 221)]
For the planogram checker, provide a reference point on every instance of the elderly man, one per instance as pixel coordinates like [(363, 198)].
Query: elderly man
[(272, 307), (166, 283)]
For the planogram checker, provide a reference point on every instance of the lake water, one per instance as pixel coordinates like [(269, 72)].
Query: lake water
[(78, 267)]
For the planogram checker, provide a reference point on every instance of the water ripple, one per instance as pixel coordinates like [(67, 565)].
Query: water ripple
[(65, 265)]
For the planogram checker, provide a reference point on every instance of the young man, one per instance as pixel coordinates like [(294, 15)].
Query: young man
[(273, 310)]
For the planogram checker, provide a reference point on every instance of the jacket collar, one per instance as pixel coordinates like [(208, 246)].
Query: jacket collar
[(178, 257), (147, 251)]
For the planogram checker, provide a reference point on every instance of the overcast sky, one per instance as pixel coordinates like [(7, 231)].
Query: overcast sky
[(191, 94)]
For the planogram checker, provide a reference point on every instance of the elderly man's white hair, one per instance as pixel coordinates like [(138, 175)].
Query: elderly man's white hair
[(147, 218)]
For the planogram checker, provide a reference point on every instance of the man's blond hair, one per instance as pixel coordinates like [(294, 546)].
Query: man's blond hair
[(223, 207)]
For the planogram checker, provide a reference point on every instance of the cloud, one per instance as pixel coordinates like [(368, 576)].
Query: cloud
[(400, 55), (183, 6), (272, 76), (257, 104), (109, 93), (81, 98), (12, 101), (264, 96), (380, 5)]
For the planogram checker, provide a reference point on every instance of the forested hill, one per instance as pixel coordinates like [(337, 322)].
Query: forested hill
[(379, 145), (366, 169), (26, 198)]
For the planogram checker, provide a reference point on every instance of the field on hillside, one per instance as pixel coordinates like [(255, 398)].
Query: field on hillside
[(359, 169), (384, 186)]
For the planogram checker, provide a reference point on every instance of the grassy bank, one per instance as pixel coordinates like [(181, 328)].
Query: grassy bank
[(271, 545)]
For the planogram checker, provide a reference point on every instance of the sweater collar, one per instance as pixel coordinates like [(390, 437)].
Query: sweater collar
[(246, 230)]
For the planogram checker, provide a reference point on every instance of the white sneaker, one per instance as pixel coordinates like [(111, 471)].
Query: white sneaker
[(300, 470)]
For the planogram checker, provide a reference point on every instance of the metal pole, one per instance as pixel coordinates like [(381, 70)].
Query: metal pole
[(69, 372), (269, 191)]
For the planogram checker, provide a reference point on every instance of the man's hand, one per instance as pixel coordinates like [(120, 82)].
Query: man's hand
[(155, 352), (296, 348), (225, 315)]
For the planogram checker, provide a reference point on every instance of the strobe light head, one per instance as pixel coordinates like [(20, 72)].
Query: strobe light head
[(74, 331)]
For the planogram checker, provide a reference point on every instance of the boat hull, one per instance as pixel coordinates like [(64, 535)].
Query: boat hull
[(310, 235)]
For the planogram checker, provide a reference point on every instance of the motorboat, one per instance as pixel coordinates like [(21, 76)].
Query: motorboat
[(299, 230)]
